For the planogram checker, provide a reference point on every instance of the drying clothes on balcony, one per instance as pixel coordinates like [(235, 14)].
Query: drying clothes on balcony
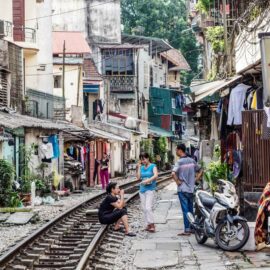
[(236, 104), (180, 101)]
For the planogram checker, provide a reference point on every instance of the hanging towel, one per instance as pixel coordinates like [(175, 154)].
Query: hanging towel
[(254, 102), (54, 141), (214, 130)]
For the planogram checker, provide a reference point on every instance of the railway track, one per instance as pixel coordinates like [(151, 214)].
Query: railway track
[(67, 241)]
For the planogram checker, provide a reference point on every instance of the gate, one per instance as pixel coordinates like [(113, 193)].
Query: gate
[(256, 154)]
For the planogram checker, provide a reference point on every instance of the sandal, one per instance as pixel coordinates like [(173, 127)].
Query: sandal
[(151, 228), (184, 234), (130, 234)]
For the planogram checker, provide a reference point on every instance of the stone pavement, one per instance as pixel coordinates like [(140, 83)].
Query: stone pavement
[(165, 250)]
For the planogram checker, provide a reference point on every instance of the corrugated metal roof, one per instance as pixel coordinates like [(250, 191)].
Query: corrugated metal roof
[(204, 90), (74, 41), (107, 135), (121, 46), (157, 44), (15, 120), (175, 56)]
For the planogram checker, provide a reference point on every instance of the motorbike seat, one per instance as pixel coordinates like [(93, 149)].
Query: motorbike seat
[(207, 200)]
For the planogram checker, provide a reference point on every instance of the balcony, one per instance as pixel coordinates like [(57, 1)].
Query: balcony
[(122, 83)]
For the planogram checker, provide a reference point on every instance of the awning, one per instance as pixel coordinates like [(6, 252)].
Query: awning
[(107, 135), (91, 88), (204, 90), (159, 132)]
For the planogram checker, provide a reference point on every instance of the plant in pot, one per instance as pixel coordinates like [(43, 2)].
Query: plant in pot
[(40, 187), (216, 170), (7, 173)]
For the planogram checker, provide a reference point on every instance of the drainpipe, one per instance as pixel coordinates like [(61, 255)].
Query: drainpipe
[(137, 85)]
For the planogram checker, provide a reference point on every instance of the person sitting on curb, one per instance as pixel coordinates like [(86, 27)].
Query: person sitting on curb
[(112, 210)]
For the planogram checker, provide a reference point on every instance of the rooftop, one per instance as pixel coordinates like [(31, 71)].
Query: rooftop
[(158, 45), (176, 58), (75, 43)]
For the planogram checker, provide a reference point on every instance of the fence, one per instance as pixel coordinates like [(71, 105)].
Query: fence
[(256, 155)]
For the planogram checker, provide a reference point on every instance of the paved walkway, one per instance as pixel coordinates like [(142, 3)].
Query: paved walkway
[(166, 250)]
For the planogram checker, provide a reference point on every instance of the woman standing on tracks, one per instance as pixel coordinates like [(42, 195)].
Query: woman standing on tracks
[(148, 173), (104, 170), (112, 209)]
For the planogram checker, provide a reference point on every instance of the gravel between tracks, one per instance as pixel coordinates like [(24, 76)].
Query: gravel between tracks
[(11, 235)]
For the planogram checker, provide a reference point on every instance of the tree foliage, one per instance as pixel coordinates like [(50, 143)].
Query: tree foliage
[(163, 19)]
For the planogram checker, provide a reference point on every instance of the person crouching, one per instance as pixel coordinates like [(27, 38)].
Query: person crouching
[(112, 210)]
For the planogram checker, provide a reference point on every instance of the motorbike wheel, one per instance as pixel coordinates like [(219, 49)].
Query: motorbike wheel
[(223, 238), (201, 238)]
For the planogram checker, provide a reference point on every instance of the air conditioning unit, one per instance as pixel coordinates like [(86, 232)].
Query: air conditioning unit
[(131, 123), (2, 29)]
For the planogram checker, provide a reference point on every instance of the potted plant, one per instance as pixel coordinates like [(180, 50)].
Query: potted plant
[(40, 187), (216, 170)]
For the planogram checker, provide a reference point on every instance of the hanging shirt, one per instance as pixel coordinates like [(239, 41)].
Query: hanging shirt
[(236, 104), (46, 151)]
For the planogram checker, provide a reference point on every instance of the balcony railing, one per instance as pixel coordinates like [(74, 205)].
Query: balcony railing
[(5, 28), (26, 34), (122, 83)]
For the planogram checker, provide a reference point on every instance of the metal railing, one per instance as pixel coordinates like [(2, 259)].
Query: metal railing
[(122, 83), (27, 34)]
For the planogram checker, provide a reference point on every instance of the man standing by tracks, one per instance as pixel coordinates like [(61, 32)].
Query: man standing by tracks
[(184, 176)]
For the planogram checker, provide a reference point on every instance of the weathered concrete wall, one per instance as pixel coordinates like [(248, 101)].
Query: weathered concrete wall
[(159, 72), (69, 21), (104, 21), (36, 77), (6, 10), (44, 43), (72, 78)]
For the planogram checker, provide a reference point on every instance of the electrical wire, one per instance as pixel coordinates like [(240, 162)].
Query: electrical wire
[(69, 11)]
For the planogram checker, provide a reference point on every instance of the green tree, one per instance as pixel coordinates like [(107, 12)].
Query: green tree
[(165, 19)]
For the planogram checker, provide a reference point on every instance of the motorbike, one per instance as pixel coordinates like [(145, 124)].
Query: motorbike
[(217, 217)]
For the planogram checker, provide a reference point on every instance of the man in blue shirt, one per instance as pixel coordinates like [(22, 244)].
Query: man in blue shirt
[(184, 174)]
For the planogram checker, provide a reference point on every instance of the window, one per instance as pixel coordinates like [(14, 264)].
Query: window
[(173, 103), (118, 62), (57, 81)]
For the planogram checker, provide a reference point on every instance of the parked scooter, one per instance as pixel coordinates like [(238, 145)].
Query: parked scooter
[(216, 216)]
